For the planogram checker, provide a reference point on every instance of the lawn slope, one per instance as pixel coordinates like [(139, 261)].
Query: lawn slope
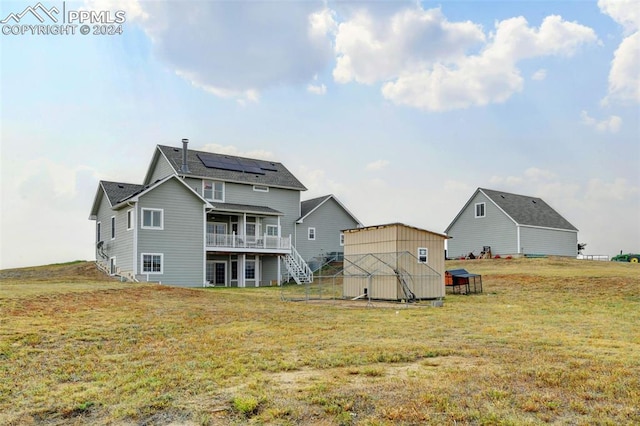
[(549, 341)]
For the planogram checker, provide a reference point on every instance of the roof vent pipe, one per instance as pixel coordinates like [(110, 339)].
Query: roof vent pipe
[(185, 167)]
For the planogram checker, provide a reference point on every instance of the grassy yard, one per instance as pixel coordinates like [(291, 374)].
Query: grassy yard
[(549, 341)]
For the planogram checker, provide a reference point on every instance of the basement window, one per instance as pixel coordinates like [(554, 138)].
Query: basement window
[(480, 210), (152, 263)]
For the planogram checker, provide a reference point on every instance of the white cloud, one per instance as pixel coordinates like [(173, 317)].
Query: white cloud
[(317, 90), (238, 49), (539, 75), (372, 49), (611, 124), (537, 174), (624, 76), (492, 75), (377, 165), (625, 12)]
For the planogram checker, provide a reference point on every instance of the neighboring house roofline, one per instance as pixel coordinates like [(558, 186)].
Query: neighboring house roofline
[(549, 214), (319, 201), (386, 225)]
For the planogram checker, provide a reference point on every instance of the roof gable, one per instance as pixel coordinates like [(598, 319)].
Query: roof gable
[(521, 209), (307, 207), (114, 191), (268, 173), (526, 210)]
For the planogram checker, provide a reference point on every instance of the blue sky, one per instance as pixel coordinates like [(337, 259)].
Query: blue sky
[(400, 109)]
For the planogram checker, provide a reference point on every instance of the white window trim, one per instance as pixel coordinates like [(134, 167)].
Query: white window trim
[(309, 231), (131, 219), (426, 254), (142, 226), (260, 188), (484, 210), (267, 227), (341, 239), (142, 255), (113, 227), (213, 190)]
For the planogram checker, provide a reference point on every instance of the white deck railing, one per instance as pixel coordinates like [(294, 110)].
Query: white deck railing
[(248, 242)]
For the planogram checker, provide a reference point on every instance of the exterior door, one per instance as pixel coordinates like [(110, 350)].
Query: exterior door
[(217, 272)]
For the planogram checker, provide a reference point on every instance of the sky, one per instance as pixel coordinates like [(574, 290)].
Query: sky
[(400, 109)]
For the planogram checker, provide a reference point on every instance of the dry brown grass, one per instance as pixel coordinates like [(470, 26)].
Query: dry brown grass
[(549, 341)]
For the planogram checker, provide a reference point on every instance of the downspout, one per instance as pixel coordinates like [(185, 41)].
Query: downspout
[(518, 239), (135, 236)]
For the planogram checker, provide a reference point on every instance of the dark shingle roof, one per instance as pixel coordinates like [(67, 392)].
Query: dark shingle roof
[(307, 206), (275, 174), (527, 210), (245, 208), (118, 191)]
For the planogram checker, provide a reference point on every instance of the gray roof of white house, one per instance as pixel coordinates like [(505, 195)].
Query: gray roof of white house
[(526, 210), (271, 173)]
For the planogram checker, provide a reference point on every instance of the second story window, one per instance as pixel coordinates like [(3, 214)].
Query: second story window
[(152, 219), (213, 190), (480, 212), (311, 233)]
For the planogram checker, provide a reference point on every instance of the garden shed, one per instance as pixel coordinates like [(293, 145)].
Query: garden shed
[(393, 262)]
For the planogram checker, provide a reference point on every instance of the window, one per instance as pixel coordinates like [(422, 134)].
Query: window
[(234, 270), (99, 231), (152, 219), (272, 230), (152, 263), (311, 233), (259, 188), (213, 190), (112, 266), (130, 220), (423, 255), (250, 270), (480, 212), (342, 238), (113, 227)]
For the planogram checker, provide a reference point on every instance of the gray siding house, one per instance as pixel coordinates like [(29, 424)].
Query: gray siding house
[(201, 218), (319, 229), (510, 224)]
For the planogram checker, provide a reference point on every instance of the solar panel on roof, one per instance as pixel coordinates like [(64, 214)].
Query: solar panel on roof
[(231, 164)]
